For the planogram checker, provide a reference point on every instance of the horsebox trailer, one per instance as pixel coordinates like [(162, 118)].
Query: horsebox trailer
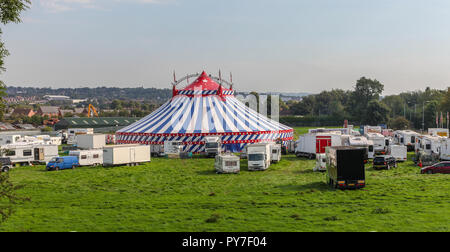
[(126, 154)]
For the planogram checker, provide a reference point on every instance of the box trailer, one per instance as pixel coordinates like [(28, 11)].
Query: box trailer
[(126, 154), (227, 163), (91, 141), (399, 152), (73, 133), (88, 157), (258, 156), (438, 132), (275, 153), (29, 153), (309, 145), (345, 167)]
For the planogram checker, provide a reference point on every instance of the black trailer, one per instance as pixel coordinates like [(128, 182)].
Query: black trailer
[(345, 167)]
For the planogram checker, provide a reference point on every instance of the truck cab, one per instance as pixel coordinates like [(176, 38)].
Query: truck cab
[(213, 146), (62, 163)]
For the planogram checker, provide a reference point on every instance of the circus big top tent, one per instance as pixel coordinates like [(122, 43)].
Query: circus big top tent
[(202, 109)]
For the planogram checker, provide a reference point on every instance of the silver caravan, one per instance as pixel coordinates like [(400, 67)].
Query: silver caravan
[(227, 163), (28, 153), (275, 153), (88, 157)]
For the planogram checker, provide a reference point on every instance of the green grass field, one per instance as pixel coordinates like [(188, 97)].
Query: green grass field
[(186, 195)]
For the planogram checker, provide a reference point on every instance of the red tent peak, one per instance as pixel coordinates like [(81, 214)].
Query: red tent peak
[(203, 82)]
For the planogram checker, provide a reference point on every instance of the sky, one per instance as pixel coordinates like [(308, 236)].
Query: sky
[(284, 45)]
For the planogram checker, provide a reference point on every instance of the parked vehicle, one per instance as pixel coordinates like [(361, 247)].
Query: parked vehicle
[(445, 149), (345, 167), (73, 133), (311, 144), (384, 162), (443, 168), (29, 153), (399, 152), (91, 141), (258, 157), (406, 138), (157, 150), (88, 157), (126, 154), (227, 163), (173, 147), (379, 143), (359, 141), (5, 164), (9, 139), (438, 132), (423, 159), (275, 153), (62, 163), (321, 163), (213, 146)]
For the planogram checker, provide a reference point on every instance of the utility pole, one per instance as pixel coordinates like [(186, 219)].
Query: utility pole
[(423, 117)]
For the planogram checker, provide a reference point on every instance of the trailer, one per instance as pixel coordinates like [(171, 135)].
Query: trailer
[(321, 163), (88, 157), (126, 154), (227, 163), (29, 153), (9, 139), (399, 152), (157, 150), (311, 144), (430, 144), (275, 153), (73, 133), (258, 156), (406, 138), (91, 141), (438, 132), (345, 167)]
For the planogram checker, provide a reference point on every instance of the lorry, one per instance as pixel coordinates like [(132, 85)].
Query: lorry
[(62, 163), (227, 163), (213, 146), (275, 153), (73, 133), (173, 147), (311, 144), (258, 156), (345, 167), (91, 141), (27, 154), (399, 152), (406, 138), (126, 154), (88, 157)]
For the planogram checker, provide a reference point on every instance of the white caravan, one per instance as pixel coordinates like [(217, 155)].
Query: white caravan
[(88, 157), (438, 132), (359, 141), (379, 142), (311, 144), (126, 154), (275, 153), (227, 163), (399, 152), (91, 141), (213, 146), (445, 149), (258, 156), (372, 129), (406, 138), (73, 133), (321, 163), (172, 147), (9, 139), (431, 144), (29, 153)]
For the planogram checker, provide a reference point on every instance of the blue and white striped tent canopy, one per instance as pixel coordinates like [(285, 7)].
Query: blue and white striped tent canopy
[(201, 110)]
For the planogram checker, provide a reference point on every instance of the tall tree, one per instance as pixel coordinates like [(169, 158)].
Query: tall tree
[(366, 90)]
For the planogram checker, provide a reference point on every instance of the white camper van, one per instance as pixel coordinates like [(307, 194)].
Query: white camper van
[(88, 157), (91, 141), (126, 154), (379, 142), (227, 163), (258, 156), (275, 153), (359, 141), (445, 149), (29, 153), (213, 146), (399, 152), (431, 144), (73, 133)]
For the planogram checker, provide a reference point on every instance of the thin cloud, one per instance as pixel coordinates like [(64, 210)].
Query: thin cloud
[(67, 5)]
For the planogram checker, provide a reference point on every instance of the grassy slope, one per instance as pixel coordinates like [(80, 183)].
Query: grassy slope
[(186, 195)]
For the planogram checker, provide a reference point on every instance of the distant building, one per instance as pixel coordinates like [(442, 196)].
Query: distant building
[(107, 124), (50, 111), (23, 112), (56, 97)]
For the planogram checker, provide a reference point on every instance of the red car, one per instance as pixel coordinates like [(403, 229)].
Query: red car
[(443, 167)]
